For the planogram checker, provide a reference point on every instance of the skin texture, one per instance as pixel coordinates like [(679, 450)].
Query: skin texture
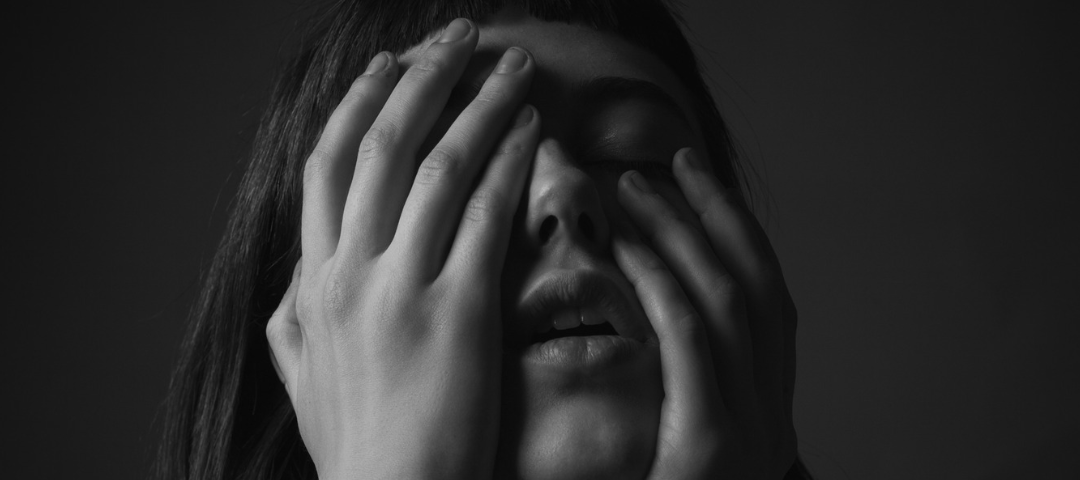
[(398, 341)]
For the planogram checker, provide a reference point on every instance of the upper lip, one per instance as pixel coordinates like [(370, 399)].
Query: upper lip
[(579, 289)]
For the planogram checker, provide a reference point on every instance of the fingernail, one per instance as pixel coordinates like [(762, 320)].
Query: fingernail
[(524, 117), (639, 182), (512, 61), (693, 160), (378, 63), (457, 30)]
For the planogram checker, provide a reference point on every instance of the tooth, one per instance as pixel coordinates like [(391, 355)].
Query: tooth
[(567, 319), (590, 316)]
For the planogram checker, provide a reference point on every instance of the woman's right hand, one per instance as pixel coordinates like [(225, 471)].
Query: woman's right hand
[(388, 341)]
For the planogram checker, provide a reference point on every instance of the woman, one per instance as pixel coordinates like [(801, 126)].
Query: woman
[(508, 248)]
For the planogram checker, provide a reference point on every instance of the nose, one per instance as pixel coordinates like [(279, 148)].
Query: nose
[(564, 206)]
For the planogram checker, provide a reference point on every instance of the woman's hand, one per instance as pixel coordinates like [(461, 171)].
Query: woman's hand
[(726, 326), (391, 357)]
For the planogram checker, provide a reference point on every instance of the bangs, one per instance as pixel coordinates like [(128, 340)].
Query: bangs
[(352, 31), (402, 24)]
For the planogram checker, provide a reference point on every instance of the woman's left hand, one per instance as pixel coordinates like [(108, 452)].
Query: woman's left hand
[(726, 327)]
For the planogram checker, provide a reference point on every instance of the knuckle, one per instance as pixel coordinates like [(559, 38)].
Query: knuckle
[(440, 164), (304, 307), (676, 229), (357, 92), (727, 298), (493, 97), (378, 139), (717, 201), (273, 330), (688, 325), (366, 82), (512, 149), (337, 296), (703, 449), (724, 286), (665, 223), (485, 203), (316, 165), (357, 84), (432, 63), (653, 265)]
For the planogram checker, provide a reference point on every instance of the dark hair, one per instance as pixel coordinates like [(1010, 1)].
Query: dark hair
[(227, 415)]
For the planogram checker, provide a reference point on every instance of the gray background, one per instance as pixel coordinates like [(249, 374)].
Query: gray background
[(920, 156)]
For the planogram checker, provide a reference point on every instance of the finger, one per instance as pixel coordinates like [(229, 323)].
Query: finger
[(712, 291), (330, 166), (442, 186), (479, 247), (283, 335), (686, 363), (741, 244), (384, 163), (693, 409)]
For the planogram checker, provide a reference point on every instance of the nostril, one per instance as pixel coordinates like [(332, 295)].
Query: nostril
[(585, 225), (547, 228)]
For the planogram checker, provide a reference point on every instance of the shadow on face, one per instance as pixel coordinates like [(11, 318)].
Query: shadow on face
[(579, 401)]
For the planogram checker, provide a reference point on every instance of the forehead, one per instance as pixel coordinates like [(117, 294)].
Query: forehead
[(566, 55)]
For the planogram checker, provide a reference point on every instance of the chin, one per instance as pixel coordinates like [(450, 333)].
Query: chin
[(582, 440), (591, 425)]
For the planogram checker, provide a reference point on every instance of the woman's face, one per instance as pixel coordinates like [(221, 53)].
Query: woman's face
[(580, 400)]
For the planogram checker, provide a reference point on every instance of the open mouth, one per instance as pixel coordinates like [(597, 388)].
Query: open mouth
[(572, 304), (573, 322), (581, 339), (579, 330)]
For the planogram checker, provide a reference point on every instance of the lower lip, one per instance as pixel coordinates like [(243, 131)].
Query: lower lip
[(583, 353)]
